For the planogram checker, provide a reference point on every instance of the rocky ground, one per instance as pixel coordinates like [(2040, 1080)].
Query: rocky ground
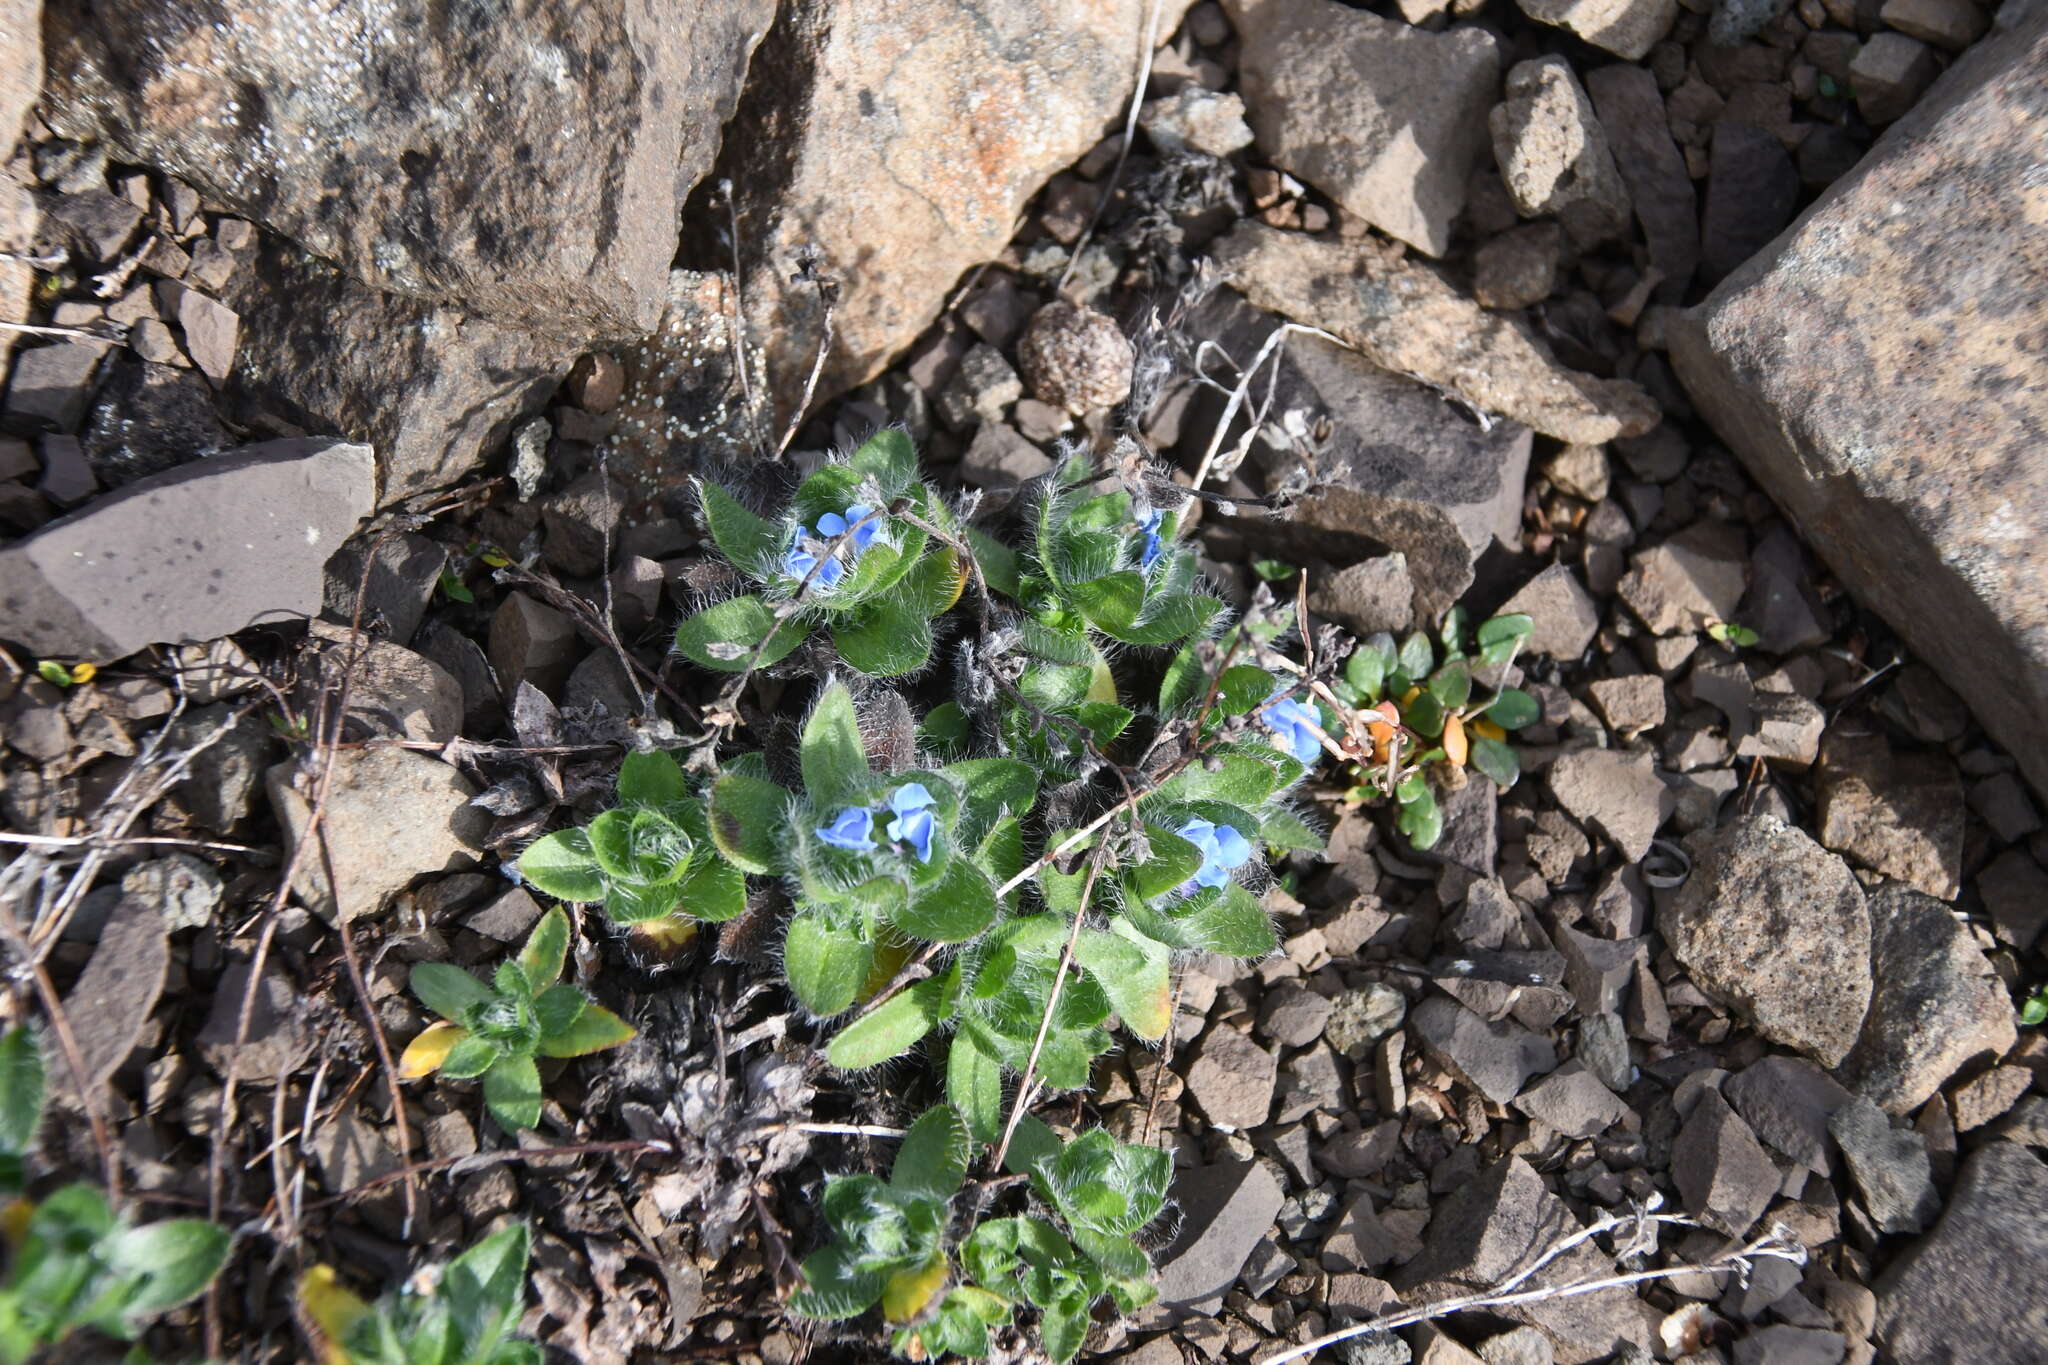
[(320, 411)]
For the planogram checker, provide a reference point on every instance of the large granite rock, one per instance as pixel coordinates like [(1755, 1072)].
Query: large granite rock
[(1970, 1290), (1404, 316), (191, 554), (521, 163), (430, 388), (1401, 469), (1385, 118), (1882, 374), (21, 67), (899, 142)]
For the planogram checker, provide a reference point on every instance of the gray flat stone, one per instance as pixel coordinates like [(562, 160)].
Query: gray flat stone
[(157, 563)]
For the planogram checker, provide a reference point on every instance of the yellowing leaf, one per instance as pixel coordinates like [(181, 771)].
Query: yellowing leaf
[(669, 935), (14, 1221), (909, 1291), (1483, 726), (424, 1054), (1454, 741), (1101, 682), (331, 1309), (84, 673)]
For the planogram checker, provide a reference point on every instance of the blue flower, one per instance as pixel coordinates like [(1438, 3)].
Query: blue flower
[(913, 823), (1149, 524), (863, 535), (1224, 850), (1296, 725), (852, 829), (800, 559)]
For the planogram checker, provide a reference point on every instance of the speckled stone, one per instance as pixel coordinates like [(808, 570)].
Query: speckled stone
[(1880, 373)]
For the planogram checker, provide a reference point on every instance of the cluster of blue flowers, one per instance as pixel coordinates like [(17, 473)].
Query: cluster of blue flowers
[(1224, 850), (1296, 724), (805, 543), (910, 805), (1149, 524)]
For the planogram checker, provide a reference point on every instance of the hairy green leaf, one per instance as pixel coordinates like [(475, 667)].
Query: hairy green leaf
[(547, 948), (746, 815), (512, 1092), (21, 1090), (1241, 688), (932, 1162), (1133, 973), (884, 638), (173, 1260), (835, 761), (593, 1030), (447, 990), (749, 543), (826, 965), (713, 890), (954, 908), (724, 637), (652, 779), (974, 1087), (562, 865), (891, 1029)]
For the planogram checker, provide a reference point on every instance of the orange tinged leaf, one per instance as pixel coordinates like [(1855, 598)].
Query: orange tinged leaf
[(1454, 741)]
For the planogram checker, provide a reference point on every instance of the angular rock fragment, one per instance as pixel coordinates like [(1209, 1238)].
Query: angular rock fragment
[(1787, 1102), (1231, 1078), (1752, 190), (1401, 471), (154, 562), (1889, 1166), (1617, 790), (1722, 1172), (1385, 118), (1405, 317), (1690, 581), (899, 143), (1553, 153), (1572, 1100), (1893, 424), (1937, 1004), (1566, 616), (1970, 1290), (1495, 1059), (1225, 1210), (1632, 113), (1898, 813), (430, 388), (1494, 1226), (390, 815), (1627, 28), (1778, 926)]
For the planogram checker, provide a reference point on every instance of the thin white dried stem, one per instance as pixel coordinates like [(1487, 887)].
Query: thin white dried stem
[(1775, 1244), (1052, 1005), (1147, 48), (1268, 353)]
